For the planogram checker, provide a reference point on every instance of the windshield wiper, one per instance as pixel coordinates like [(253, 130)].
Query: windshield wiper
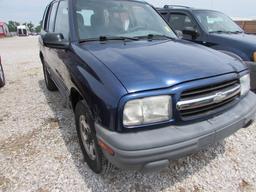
[(156, 36), (106, 38), (236, 32), (123, 38), (219, 31)]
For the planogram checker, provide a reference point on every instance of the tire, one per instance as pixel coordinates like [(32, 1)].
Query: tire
[(85, 126), (2, 77), (48, 81)]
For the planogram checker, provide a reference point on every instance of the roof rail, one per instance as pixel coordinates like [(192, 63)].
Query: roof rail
[(176, 6)]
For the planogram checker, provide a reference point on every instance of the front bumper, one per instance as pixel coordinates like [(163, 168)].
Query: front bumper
[(252, 67), (155, 148)]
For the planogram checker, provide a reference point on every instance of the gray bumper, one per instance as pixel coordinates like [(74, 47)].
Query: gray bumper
[(154, 148), (252, 68)]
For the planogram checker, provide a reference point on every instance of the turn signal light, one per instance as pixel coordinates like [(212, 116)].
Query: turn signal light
[(254, 56), (105, 147)]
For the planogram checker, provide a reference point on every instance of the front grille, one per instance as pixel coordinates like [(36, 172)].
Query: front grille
[(208, 100)]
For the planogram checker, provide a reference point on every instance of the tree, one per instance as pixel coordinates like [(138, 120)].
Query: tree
[(39, 27), (12, 25), (30, 26)]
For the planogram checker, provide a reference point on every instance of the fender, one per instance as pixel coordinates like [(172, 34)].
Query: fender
[(232, 54)]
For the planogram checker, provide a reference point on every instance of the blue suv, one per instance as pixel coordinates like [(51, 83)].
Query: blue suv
[(215, 30), (140, 95)]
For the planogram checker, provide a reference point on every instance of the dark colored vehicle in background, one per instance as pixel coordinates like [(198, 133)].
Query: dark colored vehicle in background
[(213, 29), (2, 78), (140, 95)]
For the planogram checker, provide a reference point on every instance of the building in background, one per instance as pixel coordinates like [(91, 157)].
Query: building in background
[(248, 25), (4, 31)]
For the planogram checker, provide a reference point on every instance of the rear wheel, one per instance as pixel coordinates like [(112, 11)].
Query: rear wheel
[(48, 81), (87, 138), (2, 78)]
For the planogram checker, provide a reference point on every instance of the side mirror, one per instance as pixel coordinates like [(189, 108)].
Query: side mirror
[(192, 33), (55, 40), (179, 34)]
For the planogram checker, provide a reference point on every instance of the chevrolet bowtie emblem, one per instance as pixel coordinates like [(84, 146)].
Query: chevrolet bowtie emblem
[(219, 97)]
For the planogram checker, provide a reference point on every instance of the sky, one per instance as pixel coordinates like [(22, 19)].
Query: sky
[(32, 10)]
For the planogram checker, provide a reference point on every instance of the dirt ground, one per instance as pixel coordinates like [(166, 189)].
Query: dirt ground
[(39, 149)]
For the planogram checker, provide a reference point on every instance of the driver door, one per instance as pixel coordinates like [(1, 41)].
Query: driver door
[(61, 57)]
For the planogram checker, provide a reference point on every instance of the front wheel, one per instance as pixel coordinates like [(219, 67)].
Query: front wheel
[(87, 138), (2, 77)]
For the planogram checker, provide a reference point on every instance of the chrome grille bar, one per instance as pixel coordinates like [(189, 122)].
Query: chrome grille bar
[(209, 89), (209, 99)]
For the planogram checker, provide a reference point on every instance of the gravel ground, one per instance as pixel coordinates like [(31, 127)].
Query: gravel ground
[(39, 149)]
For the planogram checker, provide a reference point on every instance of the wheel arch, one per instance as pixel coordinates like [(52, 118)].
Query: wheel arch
[(74, 97)]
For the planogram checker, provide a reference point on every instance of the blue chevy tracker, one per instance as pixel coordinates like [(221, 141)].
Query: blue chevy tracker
[(141, 96)]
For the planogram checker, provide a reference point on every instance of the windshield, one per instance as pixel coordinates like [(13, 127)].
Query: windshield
[(214, 21), (111, 18)]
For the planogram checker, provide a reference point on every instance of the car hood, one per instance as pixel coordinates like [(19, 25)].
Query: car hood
[(148, 65)]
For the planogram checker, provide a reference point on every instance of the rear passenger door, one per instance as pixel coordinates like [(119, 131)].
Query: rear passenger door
[(48, 27), (184, 23)]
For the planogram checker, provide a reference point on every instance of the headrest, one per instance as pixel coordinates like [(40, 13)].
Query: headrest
[(80, 19)]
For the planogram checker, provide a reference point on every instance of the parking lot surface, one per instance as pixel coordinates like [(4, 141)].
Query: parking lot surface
[(39, 150)]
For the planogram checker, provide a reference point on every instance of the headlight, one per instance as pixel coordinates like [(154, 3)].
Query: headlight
[(254, 56), (245, 84), (147, 110)]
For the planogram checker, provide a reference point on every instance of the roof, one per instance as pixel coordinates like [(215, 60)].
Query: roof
[(176, 7), (22, 27), (182, 7)]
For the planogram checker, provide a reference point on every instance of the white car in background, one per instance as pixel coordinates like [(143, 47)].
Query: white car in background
[(23, 30)]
